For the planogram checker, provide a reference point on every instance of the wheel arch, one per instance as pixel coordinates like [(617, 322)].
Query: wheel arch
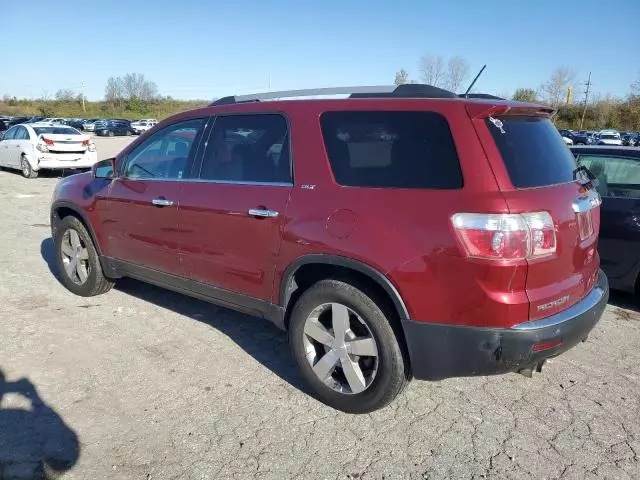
[(320, 266), (61, 209)]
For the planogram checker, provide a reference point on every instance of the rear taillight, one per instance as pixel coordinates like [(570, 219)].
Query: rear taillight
[(85, 143), (505, 236), (47, 141)]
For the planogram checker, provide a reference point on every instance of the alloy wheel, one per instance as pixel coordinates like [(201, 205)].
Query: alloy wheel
[(340, 348), (75, 257)]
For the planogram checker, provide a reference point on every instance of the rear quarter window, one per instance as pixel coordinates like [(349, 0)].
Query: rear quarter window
[(533, 151), (391, 149)]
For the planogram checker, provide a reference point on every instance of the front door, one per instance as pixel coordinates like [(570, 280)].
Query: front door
[(232, 218), (140, 220), (8, 148)]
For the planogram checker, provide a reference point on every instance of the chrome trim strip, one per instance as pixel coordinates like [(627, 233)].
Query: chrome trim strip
[(199, 180), (594, 297)]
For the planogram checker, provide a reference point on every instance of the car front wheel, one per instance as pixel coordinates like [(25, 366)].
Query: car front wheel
[(346, 347), (78, 261)]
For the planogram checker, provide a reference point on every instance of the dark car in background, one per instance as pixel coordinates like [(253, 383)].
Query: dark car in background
[(630, 139), (112, 128), (75, 123), (617, 170)]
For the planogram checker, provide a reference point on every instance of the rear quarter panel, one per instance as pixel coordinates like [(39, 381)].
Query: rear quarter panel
[(405, 234)]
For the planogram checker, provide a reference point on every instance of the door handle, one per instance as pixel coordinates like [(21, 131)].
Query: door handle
[(162, 202), (259, 212)]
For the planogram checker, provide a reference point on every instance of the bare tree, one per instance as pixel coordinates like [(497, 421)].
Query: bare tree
[(402, 77), (137, 87), (64, 95), (432, 70), (635, 88), (555, 89), (457, 73), (113, 92)]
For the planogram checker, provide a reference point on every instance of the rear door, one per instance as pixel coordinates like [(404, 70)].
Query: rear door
[(535, 172), (231, 220), (619, 186)]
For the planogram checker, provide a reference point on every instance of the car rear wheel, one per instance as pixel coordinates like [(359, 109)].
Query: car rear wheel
[(346, 348), (78, 261), (110, 133), (26, 169)]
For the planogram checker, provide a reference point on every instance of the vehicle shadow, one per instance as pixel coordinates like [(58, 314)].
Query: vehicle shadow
[(48, 255), (35, 443), (259, 338), (624, 300)]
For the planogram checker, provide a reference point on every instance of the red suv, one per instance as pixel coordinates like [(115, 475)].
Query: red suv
[(394, 234)]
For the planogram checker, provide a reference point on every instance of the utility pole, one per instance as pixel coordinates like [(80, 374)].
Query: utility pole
[(82, 93), (586, 98)]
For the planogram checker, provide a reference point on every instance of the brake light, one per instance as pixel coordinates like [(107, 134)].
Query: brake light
[(505, 236), (47, 141), (85, 143)]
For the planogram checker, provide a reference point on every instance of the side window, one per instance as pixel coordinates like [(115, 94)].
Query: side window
[(166, 154), (391, 149), (617, 176), (10, 135), (248, 148), (21, 134)]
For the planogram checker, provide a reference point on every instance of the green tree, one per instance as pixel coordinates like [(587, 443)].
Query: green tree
[(525, 95), (402, 77)]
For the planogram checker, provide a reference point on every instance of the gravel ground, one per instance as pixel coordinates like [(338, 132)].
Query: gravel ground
[(145, 384)]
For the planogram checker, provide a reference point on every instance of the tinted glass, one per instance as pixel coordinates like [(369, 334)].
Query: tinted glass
[(533, 151), (21, 134), (166, 154), (56, 130), (617, 176), (248, 148), (10, 133), (391, 149)]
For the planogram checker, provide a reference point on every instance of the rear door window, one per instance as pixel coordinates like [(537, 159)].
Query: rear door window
[(532, 150), (248, 148), (388, 149)]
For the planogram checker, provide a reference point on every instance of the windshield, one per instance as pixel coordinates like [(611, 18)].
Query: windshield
[(610, 136), (532, 151), (56, 131)]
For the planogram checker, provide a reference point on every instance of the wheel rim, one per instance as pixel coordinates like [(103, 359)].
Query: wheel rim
[(340, 348), (75, 257), (25, 168)]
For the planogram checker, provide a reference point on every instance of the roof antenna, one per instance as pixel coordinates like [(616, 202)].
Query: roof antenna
[(466, 94)]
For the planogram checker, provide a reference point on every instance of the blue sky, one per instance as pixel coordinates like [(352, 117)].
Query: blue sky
[(209, 48)]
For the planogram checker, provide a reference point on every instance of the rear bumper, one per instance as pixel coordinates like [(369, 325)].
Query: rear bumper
[(440, 351), (63, 161)]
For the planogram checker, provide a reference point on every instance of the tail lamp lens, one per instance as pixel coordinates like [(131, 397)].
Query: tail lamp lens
[(506, 236)]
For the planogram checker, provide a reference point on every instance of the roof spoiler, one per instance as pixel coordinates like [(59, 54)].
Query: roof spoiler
[(489, 109)]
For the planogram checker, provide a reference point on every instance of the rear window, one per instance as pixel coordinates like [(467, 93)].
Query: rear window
[(56, 130), (391, 149), (532, 150)]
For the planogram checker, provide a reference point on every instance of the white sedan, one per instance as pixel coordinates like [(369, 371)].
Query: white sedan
[(142, 126), (31, 147)]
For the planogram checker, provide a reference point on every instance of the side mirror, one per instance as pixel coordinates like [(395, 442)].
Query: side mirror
[(104, 168)]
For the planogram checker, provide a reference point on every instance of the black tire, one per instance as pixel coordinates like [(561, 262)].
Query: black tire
[(96, 283), (393, 373), (580, 143), (110, 133), (26, 169)]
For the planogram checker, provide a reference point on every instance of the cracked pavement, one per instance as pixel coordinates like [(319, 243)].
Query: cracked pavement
[(155, 385)]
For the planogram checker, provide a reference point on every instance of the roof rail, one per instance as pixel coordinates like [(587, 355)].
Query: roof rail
[(377, 91)]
